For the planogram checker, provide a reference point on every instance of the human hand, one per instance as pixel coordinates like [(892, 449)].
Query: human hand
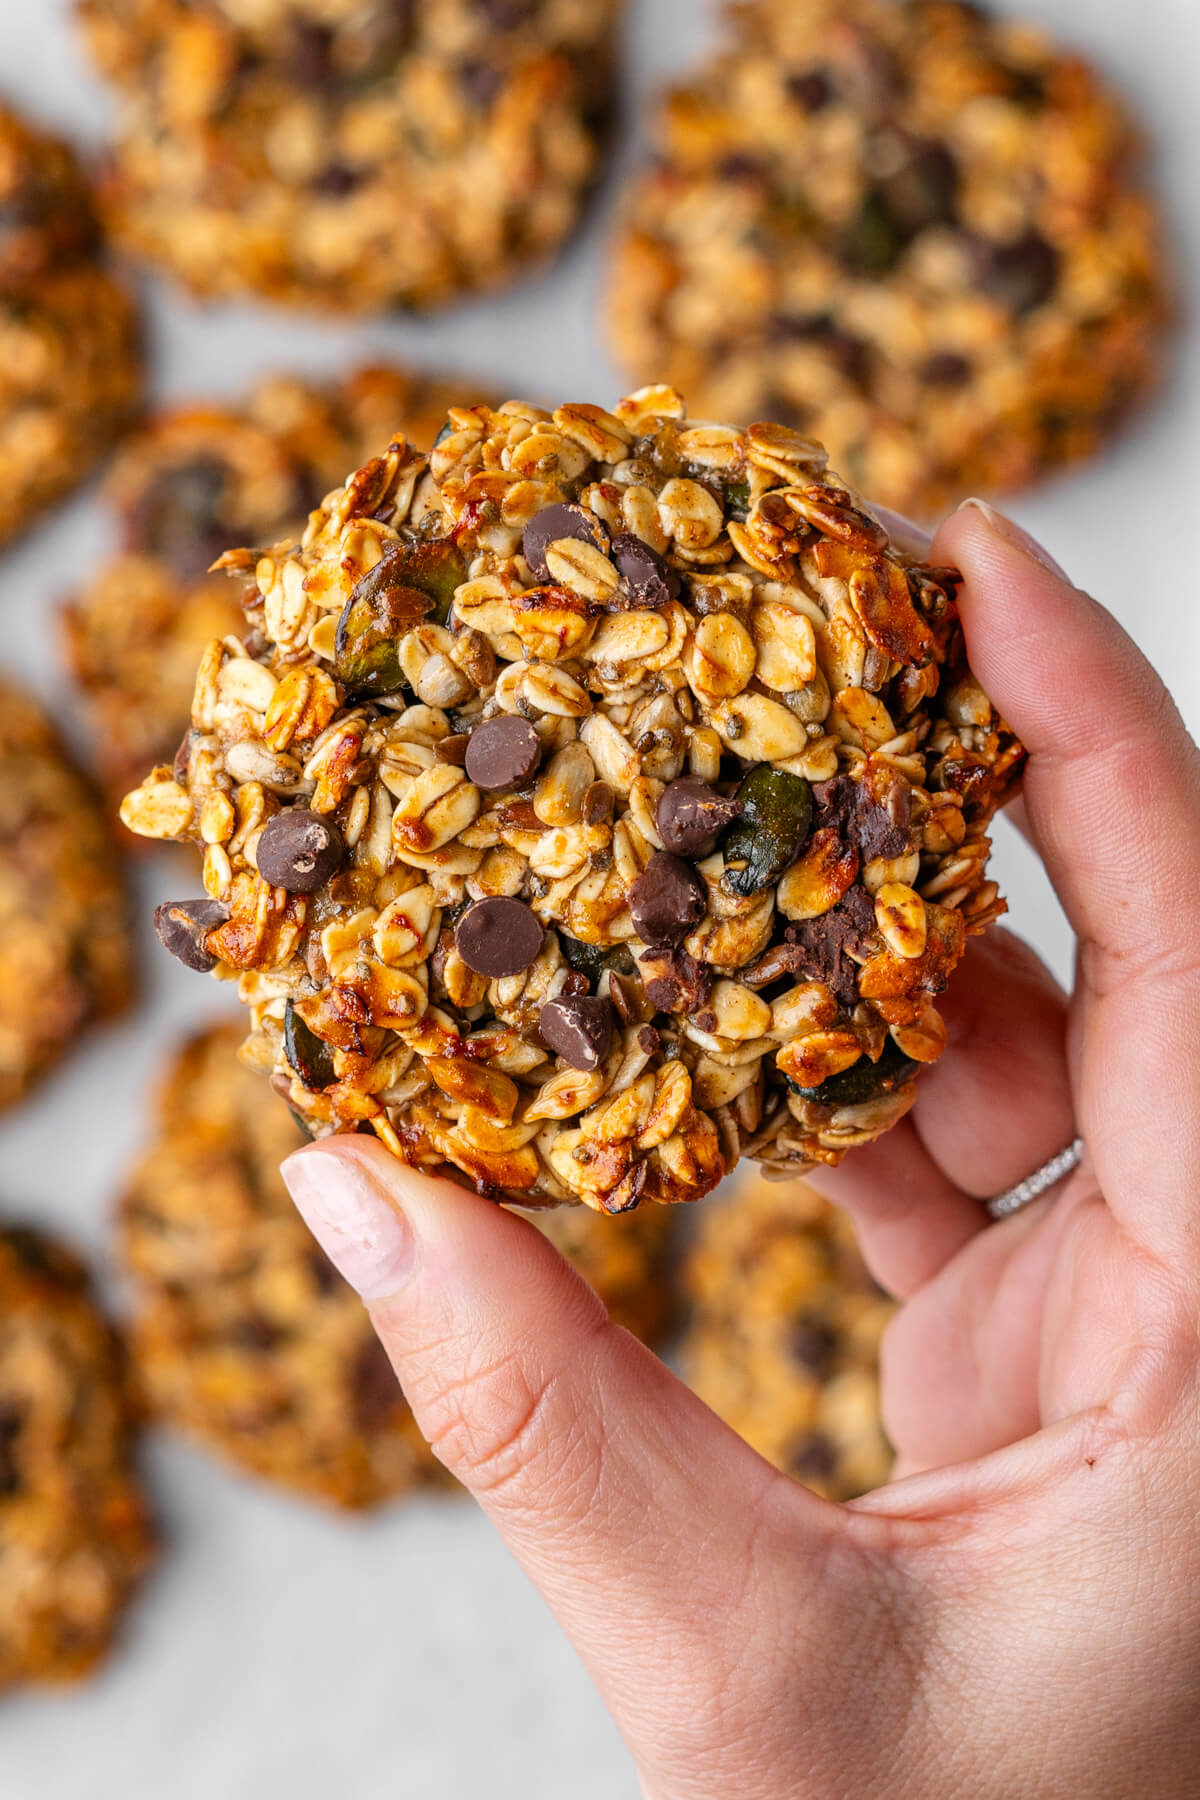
[(1020, 1614)]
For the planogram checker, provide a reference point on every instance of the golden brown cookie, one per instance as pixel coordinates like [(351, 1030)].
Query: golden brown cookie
[(64, 946), (627, 1260), (352, 157), (783, 1340), (193, 481), (246, 1337), (597, 799), (75, 1534), (915, 231), (70, 377)]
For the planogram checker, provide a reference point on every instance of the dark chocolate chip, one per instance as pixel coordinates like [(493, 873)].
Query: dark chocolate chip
[(1018, 276), (648, 1040), (813, 90), (579, 1028), (648, 580), (666, 900), (813, 1345), (183, 516), (183, 925), (553, 524), (812, 1458), (480, 83), (12, 1421), (498, 936), (503, 752), (945, 369), (336, 180), (300, 851), (375, 1392), (675, 982), (691, 816)]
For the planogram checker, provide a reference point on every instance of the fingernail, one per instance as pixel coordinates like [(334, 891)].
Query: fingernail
[(1018, 537), (368, 1241)]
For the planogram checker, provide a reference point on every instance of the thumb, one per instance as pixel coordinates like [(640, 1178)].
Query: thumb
[(639, 1516)]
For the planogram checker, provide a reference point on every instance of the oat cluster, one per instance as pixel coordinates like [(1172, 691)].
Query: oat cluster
[(69, 368), (594, 801), (916, 232), (352, 154), (75, 1535), (245, 1335), (193, 481), (784, 1333), (65, 959)]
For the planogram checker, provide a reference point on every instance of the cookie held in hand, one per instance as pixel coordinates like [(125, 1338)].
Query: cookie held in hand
[(707, 916)]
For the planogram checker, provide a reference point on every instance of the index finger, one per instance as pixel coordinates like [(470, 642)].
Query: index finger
[(1113, 795)]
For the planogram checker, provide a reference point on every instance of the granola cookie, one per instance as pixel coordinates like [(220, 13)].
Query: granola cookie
[(195, 480), (594, 800), (70, 378), (913, 230), (247, 1337), (783, 1340), (75, 1534), (65, 957), (352, 156)]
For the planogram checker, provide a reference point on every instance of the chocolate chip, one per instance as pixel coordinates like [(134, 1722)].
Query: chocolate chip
[(503, 752), (336, 180), (1018, 276), (183, 516), (579, 1028), (553, 524), (945, 369), (646, 579), (12, 1421), (812, 90), (480, 83), (648, 1040), (666, 900), (498, 936), (812, 1458), (374, 1389), (299, 851), (875, 824), (675, 982), (183, 925), (691, 816), (813, 1345), (824, 948)]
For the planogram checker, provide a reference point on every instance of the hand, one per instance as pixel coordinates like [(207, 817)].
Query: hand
[(1020, 1614)]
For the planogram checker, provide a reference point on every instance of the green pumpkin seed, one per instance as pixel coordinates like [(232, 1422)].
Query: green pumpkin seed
[(412, 582), (309, 1055), (864, 1080), (769, 836)]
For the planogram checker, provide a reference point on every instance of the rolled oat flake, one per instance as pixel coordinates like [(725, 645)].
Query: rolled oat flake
[(666, 900), (691, 816), (299, 851), (579, 1028), (183, 925), (551, 526), (502, 752), (498, 937)]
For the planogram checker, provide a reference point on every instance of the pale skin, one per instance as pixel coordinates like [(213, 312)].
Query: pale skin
[(1018, 1612)]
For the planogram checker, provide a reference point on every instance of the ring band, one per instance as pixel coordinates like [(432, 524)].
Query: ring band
[(1002, 1206)]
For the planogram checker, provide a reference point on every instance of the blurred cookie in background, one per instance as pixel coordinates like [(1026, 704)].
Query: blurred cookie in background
[(196, 481), (244, 1334), (784, 1332), (65, 960), (628, 1258), (352, 156), (75, 1532), (914, 231), (70, 371)]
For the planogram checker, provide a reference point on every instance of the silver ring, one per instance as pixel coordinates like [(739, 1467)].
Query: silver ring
[(1002, 1206)]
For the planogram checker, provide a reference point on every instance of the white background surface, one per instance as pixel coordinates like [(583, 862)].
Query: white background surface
[(278, 1651)]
